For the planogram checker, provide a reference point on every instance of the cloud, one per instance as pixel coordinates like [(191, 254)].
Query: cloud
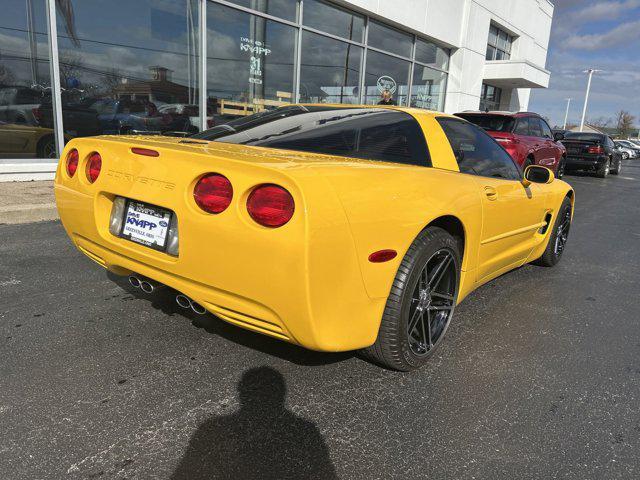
[(623, 34), (607, 10)]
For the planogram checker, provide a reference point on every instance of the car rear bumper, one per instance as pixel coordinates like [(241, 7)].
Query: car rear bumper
[(585, 163), (286, 288)]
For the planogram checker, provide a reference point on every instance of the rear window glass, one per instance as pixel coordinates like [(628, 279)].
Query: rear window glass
[(494, 123), (591, 137), (367, 133)]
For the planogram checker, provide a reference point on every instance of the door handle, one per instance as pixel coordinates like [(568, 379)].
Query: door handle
[(491, 193)]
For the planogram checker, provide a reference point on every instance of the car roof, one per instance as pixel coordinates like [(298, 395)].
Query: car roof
[(410, 110)]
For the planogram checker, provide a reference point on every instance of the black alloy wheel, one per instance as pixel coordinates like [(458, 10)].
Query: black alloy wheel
[(432, 303), (421, 302), (562, 232), (558, 236), (604, 169), (616, 171), (560, 172)]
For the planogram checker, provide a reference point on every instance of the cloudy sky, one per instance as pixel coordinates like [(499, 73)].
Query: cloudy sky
[(599, 34)]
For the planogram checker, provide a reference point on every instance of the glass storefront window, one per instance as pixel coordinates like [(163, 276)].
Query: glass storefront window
[(330, 70), (25, 84), (386, 38), (134, 67), (334, 20), (432, 54), (385, 73), (250, 62), (490, 97), (286, 9), (428, 88), (129, 68)]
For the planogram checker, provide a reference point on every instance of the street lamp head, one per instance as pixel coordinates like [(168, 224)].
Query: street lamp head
[(592, 70)]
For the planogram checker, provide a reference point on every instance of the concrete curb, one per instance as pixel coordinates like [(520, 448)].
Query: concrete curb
[(28, 213), (25, 202)]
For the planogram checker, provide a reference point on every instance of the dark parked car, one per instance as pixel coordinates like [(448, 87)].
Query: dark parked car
[(525, 136), (78, 119), (594, 152)]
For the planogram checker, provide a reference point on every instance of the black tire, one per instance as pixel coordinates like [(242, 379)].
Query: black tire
[(395, 347), (561, 167), (604, 169), (625, 155), (47, 147), (555, 248), (616, 171), (527, 162)]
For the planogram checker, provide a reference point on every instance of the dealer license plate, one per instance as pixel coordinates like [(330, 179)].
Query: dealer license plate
[(146, 224)]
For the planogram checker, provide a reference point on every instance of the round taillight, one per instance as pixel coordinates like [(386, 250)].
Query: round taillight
[(270, 205), (213, 193), (72, 162), (94, 165)]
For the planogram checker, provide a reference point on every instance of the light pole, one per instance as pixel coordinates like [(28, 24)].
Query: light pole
[(591, 71), (566, 114)]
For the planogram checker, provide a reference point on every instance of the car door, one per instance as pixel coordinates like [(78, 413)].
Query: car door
[(511, 213), (549, 153), (528, 141)]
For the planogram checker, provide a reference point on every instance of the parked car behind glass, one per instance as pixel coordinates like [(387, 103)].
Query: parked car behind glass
[(526, 136)]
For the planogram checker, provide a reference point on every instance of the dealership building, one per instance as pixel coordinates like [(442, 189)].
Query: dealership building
[(71, 68)]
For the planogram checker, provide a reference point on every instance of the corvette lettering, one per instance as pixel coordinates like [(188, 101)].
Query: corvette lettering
[(152, 182)]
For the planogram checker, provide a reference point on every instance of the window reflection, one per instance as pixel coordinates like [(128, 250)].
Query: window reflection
[(129, 68), (24, 81), (389, 39), (249, 62), (385, 73), (334, 20), (330, 70), (286, 9), (432, 54), (428, 88)]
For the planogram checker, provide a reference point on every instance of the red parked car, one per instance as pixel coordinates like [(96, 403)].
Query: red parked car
[(525, 135)]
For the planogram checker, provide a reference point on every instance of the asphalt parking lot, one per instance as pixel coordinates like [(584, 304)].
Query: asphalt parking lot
[(539, 376)]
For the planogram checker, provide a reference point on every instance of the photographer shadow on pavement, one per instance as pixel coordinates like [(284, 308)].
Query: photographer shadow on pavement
[(261, 440)]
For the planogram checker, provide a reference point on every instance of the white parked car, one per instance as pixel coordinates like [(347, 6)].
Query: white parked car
[(627, 149)]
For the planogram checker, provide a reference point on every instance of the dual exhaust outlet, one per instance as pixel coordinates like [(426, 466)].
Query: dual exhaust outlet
[(149, 286)]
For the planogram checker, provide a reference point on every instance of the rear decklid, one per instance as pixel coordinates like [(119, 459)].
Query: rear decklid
[(225, 260), (583, 144)]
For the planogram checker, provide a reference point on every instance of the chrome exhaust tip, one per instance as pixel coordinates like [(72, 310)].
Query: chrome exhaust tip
[(183, 301), (199, 309), (135, 281), (147, 287)]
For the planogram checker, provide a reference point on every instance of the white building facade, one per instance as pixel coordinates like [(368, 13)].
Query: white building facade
[(72, 68)]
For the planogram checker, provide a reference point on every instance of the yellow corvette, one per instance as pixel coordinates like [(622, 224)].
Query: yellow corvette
[(335, 227)]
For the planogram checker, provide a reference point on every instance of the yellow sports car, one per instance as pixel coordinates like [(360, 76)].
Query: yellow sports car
[(335, 227)]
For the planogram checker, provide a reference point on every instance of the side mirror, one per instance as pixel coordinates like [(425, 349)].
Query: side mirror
[(558, 136), (537, 174)]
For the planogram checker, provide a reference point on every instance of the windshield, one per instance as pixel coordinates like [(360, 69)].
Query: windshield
[(368, 133), (590, 137), (493, 123)]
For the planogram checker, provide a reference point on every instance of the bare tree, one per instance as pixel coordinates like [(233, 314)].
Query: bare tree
[(624, 123), (70, 66), (6, 76), (601, 122), (111, 80)]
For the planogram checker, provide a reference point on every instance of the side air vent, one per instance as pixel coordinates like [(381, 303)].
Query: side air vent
[(547, 219)]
